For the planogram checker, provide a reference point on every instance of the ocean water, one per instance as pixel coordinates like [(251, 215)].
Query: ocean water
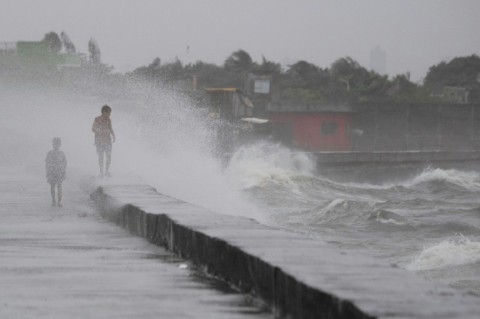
[(427, 221)]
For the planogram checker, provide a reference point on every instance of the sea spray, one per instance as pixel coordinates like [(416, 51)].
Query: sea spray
[(262, 162), (163, 138), (170, 142)]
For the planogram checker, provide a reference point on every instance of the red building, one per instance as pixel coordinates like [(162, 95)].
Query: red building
[(313, 131)]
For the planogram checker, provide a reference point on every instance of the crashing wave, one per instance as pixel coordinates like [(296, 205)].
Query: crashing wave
[(263, 162), (469, 181), (452, 252)]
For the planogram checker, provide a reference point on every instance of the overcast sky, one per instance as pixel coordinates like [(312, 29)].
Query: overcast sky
[(415, 34)]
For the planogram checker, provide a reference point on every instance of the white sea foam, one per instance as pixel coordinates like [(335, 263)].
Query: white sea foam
[(455, 251), (263, 162), (467, 180)]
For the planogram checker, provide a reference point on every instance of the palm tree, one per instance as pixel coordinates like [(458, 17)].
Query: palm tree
[(239, 61), (94, 50), (67, 43), (53, 41)]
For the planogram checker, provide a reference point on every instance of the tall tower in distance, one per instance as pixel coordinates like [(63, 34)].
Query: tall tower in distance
[(378, 60)]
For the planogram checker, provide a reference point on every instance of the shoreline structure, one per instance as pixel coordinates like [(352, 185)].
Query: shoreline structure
[(296, 276)]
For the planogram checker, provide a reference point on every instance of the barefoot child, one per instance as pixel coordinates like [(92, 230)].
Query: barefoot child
[(55, 165)]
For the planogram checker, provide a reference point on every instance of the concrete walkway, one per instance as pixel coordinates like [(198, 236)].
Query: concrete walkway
[(70, 263), (297, 276)]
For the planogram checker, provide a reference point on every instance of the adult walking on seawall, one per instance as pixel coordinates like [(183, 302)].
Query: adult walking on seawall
[(104, 137)]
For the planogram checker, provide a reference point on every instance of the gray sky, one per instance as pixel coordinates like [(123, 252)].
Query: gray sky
[(415, 34)]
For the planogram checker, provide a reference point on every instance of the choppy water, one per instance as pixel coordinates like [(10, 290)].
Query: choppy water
[(428, 222)]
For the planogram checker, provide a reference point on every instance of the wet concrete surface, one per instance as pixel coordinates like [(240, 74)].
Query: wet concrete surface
[(296, 276), (71, 263)]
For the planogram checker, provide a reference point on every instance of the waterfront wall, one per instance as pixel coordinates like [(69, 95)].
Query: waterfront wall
[(416, 126), (297, 276)]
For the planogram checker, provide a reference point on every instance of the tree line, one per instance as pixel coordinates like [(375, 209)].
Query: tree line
[(345, 81), (57, 42)]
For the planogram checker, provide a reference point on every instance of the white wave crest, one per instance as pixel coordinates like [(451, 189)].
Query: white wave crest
[(256, 164), (467, 180), (337, 208), (341, 210), (452, 252), (387, 217)]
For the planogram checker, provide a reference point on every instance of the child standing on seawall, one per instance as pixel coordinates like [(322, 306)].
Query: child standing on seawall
[(104, 137), (55, 166)]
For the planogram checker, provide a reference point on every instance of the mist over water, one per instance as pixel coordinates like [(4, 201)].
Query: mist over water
[(428, 223)]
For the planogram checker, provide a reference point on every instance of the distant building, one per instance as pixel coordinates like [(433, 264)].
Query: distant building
[(313, 131), (378, 60), (259, 89), (321, 128), (229, 103), (37, 53)]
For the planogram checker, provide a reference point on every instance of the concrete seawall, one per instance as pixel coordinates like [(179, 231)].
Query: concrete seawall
[(297, 276)]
